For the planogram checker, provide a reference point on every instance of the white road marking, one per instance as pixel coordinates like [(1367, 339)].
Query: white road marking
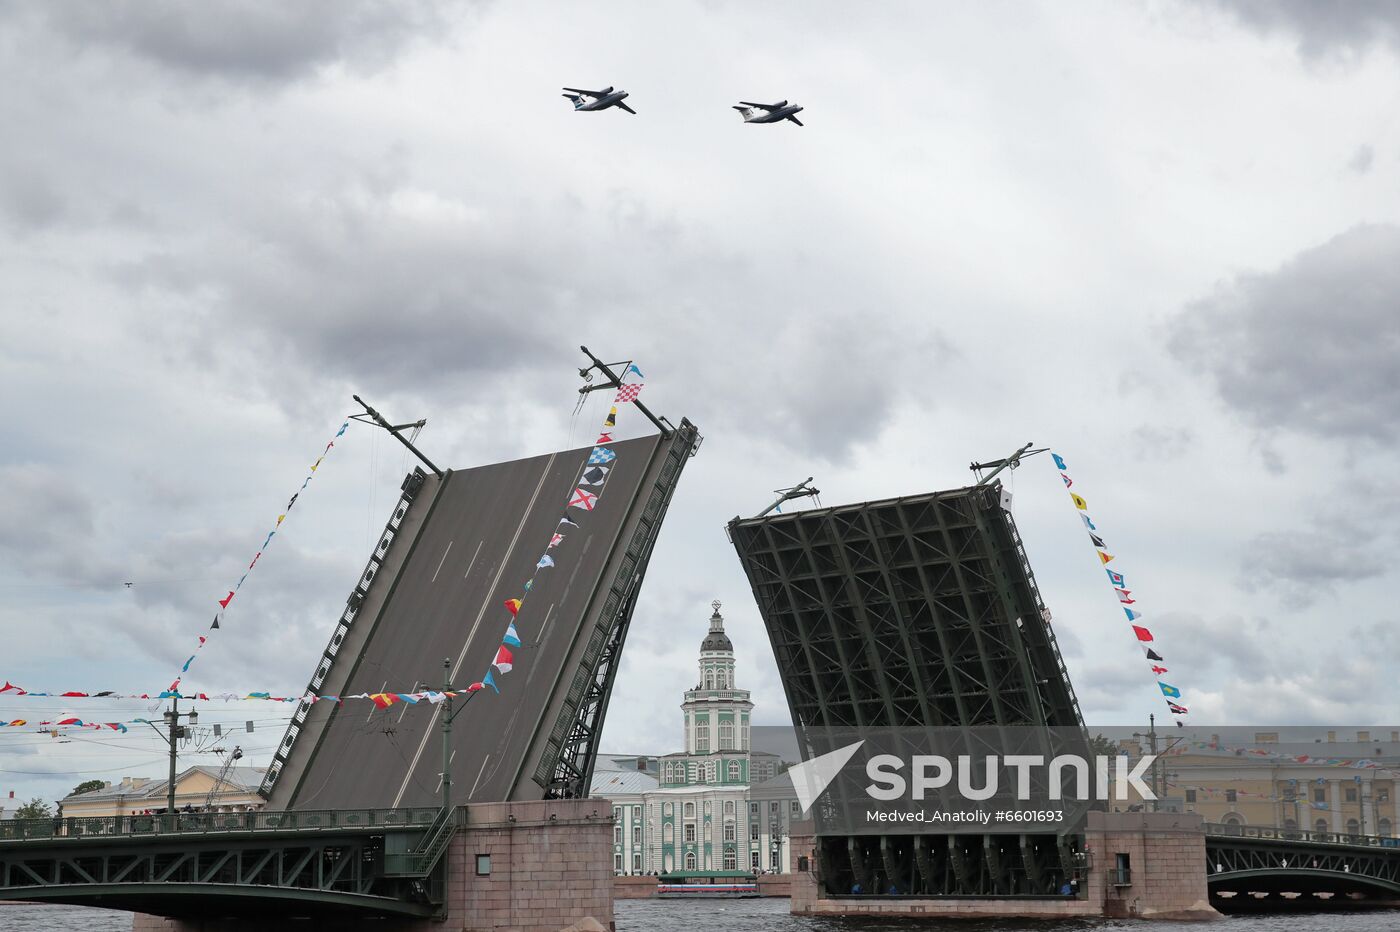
[(443, 560), (481, 613), (404, 710), (478, 776), (473, 562), (372, 707)]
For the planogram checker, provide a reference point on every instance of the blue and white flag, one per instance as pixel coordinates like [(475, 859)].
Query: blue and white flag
[(545, 561), (601, 455)]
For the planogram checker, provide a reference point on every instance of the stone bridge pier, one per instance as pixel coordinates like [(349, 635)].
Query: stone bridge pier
[(512, 867)]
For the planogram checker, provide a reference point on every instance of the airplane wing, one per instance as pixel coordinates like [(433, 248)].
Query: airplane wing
[(796, 120), (750, 103), (579, 90), (624, 106)]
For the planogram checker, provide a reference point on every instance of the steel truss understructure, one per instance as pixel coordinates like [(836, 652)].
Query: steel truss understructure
[(359, 871), (915, 612), (1271, 861), (565, 769)]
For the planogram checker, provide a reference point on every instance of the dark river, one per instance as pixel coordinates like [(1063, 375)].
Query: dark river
[(771, 915)]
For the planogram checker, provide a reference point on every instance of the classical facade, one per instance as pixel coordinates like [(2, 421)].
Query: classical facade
[(1313, 781), (699, 812), (199, 787)]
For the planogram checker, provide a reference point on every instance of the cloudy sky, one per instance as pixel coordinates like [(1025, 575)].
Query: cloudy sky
[(1162, 237)]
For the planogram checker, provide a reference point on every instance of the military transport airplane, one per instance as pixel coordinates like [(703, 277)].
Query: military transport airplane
[(769, 113), (601, 100)]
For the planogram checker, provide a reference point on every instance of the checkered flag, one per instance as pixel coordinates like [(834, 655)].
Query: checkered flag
[(628, 393)]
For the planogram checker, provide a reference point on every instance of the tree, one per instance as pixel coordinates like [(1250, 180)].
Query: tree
[(87, 786), (36, 808), (1104, 746)]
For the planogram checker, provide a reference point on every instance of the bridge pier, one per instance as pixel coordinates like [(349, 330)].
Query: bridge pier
[(523, 867), (1142, 865)]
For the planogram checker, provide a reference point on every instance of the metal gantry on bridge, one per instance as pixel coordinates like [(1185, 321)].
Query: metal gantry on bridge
[(368, 862)]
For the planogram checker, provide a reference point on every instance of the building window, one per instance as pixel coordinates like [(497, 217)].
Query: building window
[(690, 831), (690, 810), (773, 859), (668, 833), (702, 737), (723, 681), (729, 831), (729, 808), (730, 862), (690, 860), (1319, 795), (1383, 827), (726, 736), (1190, 796), (637, 862), (753, 861), (773, 807), (667, 809), (1320, 826), (1231, 796), (617, 863), (1349, 794), (753, 808), (753, 831), (734, 771), (1382, 796), (617, 833), (1353, 826), (795, 808), (637, 834), (483, 865), (709, 679)]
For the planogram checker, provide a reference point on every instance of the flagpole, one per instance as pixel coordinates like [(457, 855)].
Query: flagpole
[(614, 381)]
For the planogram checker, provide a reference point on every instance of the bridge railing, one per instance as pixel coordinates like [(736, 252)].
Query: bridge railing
[(204, 823), (1275, 833)]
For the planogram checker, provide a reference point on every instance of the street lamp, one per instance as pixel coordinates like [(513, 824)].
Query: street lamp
[(171, 736)]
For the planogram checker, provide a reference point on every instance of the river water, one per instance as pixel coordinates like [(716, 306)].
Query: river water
[(771, 915)]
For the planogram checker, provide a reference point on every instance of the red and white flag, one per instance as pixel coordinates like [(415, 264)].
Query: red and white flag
[(628, 393), (504, 659), (556, 540), (1125, 596), (583, 499)]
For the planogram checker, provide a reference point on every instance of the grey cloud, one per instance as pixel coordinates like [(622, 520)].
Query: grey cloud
[(403, 291), (1361, 160), (1305, 564), (1310, 347), (245, 40), (1321, 28), (28, 201)]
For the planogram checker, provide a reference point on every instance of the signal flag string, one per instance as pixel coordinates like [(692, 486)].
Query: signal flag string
[(224, 602), (1119, 582)]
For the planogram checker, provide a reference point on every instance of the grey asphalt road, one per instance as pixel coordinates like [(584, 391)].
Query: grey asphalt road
[(487, 529)]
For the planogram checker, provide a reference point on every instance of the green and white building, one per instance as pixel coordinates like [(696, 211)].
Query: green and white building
[(696, 813)]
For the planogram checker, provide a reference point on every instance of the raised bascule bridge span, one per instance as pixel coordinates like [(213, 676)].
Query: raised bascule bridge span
[(921, 612), (454, 549), (355, 825)]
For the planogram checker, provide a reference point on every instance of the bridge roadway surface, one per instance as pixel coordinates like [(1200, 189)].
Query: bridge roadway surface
[(487, 528)]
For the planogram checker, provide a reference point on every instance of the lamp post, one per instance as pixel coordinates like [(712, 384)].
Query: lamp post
[(172, 735)]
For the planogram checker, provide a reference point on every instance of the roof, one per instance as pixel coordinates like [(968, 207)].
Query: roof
[(621, 782), (237, 780)]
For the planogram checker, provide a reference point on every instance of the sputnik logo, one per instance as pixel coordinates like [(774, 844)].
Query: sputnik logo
[(811, 778)]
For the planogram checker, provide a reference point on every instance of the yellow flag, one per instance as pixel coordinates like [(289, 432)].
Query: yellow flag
[(1105, 556), (280, 519), (1079, 502)]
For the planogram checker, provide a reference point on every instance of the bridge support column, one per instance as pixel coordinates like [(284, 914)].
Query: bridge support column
[(1151, 865)]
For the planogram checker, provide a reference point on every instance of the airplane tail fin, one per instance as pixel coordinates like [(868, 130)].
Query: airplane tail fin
[(745, 112)]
